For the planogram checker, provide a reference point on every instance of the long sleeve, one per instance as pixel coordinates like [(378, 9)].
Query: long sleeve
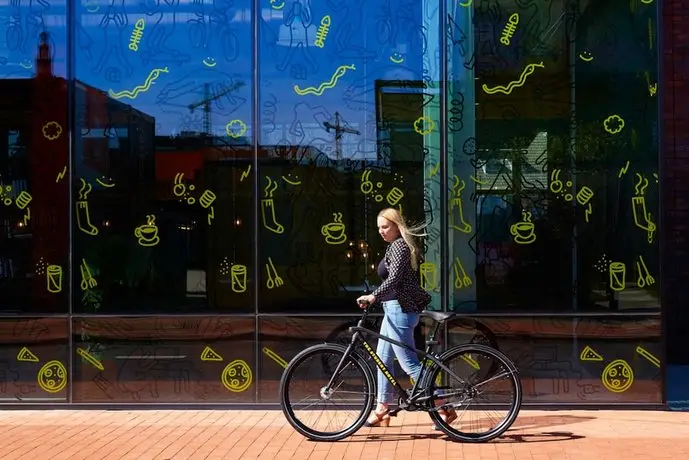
[(399, 256)]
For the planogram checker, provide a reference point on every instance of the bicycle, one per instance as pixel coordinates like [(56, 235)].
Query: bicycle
[(429, 393)]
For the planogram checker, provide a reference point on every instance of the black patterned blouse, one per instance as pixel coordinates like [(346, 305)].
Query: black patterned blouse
[(402, 283)]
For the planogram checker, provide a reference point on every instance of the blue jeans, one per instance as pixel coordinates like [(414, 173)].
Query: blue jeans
[(399, 326)]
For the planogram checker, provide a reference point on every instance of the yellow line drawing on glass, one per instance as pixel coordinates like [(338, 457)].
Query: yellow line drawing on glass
[(291, 181), (61, 174), (106, 182), (90, 359), (208, 354), (556, 186), (272, 282), (207, 198), (424, 125), (366, 186), (617, 376), (648, 355), (588, 213), (466, 4), (644, 277), (209, 62), (268, 208), (238, 274), (471, 361), (524, 231), (429, 276), (179, 189), (397, 57), (27, 216), (434, 170), (23, 199), (618, 274), (528, 70), (26, 64), (52, 377), (87, 279), (334, 232), (589, 354), (51, 130), (602, 264), (510, 29), (27, 356), (322, 31), (152, 77), (623, 170), (613, 124), (586, 56), (394, 196), (147, 234), (237, 376), (458, 222), (245, 174), (5, 192), (339, 73), (275, 357), (274, 4), (54, 279), (137, 34), (478, 181), (584, 196), (211, 216), (642, 218), (229, 128), (82, 211), (462, 280)]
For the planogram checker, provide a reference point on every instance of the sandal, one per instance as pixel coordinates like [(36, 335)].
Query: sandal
[(379, 419)]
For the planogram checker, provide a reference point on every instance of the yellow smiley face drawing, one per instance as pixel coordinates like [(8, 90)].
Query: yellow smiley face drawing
[(237, 376), (586, 56), (52, 377), (209, 62), (617, 376), (277, 4), (397, 57)]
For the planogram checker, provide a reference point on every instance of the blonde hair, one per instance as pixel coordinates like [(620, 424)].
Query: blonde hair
[(407, 232)]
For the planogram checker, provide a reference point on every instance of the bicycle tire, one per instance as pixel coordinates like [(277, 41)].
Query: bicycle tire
[(287, 407), (516, 404)]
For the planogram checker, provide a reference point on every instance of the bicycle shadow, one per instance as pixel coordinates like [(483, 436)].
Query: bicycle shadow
[(511, 436)]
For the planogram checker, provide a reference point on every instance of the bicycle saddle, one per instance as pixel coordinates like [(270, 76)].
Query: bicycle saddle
[(439, 316)]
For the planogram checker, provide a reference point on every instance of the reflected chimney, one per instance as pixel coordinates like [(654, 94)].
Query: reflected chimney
[(44, 64)]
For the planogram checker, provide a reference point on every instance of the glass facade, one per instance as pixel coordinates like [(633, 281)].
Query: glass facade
[(190, 188)]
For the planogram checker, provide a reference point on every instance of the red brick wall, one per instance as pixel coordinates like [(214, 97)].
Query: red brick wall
[(674, 177)]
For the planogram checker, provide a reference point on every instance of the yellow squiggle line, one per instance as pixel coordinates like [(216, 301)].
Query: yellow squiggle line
[(528, 70), (478, 181), (155, 73), (339, 72)]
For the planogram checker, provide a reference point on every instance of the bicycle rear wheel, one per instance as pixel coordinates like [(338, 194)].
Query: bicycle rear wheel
[(323, 414), (479, 419)]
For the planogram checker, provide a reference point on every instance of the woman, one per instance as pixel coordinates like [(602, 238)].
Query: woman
[(403, 300)]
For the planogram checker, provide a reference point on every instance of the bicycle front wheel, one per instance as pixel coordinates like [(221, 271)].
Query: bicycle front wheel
[(321, 413), (486, 404)]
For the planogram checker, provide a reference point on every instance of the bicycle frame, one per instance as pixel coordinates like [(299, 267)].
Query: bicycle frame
[(416, 392)]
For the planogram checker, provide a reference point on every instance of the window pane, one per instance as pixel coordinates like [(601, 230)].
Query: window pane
[(349, 125), (34, 152), (554, 206), (162, 212)]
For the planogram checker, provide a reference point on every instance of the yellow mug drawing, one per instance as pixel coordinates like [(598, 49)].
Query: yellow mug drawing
[(524, 232), (334, 232), (54, 278), (618, 273), (429, 276), (238, 277), (148, 233)]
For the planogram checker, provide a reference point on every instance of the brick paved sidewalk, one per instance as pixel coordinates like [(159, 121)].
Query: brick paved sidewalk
[(157, 434)]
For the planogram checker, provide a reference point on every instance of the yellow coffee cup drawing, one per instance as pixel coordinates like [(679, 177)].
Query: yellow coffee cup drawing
[(147, 234), (334, 232), (524, 232)]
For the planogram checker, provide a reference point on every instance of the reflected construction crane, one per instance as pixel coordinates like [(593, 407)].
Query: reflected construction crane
[(206, 103)]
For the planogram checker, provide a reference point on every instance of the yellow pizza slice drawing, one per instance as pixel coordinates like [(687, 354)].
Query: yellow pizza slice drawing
[(26, 355), (208, 354), (589, 354)]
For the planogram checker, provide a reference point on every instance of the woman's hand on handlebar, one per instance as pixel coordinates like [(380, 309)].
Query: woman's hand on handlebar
[(365, 301)]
